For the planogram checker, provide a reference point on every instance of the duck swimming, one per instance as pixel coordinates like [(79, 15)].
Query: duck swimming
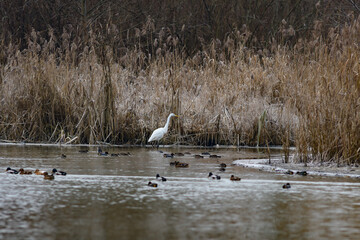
[(214, 156), (56, 172), (174, 163), (27, 172), (48, 177), (11, 171), (101, 153), (158, 177), (287, 185), (183, 165), (150, 184), (99, 150), (223, 165), (212, 176), (38, 172), (233, 178), (168, 155), (302, 173)]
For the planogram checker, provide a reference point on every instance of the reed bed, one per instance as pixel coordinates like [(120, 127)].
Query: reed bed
[(307, 95)]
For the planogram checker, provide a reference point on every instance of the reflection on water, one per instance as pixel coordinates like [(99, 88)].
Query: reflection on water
[(105, 197)]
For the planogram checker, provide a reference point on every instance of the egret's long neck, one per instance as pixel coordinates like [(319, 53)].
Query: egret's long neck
[(167, 123)]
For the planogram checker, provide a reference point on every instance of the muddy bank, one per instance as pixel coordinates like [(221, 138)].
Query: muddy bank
[(326, 169)]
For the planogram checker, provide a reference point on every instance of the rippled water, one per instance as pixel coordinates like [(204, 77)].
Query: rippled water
[(105, 197)]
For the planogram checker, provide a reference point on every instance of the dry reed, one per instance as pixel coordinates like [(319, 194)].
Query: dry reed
[(308, 96)]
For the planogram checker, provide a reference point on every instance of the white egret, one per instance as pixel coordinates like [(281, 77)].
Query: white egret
[(160, 132)]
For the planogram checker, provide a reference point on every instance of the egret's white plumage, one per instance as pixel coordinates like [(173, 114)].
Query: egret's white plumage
[(160, 132)]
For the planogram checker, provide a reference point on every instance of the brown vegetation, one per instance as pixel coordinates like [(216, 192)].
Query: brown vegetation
[(255, 86)]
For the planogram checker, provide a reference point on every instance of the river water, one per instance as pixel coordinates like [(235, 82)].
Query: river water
[(104, 197)]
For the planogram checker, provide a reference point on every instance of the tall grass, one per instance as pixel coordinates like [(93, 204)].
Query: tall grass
[(310, 93)]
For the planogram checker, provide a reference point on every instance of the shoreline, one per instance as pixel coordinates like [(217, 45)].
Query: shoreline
[(327, 169), (15, 143)]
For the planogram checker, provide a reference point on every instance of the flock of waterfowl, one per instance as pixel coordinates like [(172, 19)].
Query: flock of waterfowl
[(178, 164), (222, 167), (289, 172), (302, 173), (102, 153), (54, 171), (46, 175), (179, 154)]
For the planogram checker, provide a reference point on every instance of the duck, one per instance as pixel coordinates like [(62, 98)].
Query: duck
[(302, 173), (289, 172), (56, 172), (214, 156), (182, 165), (198, 156), (63, 156), (174, 163), (168, 155), (27, 172), (114, 154), (101, 153), (38, 172), (125, 154), (150, 184), (223, 165), (158, 177), (222, 169), (287, 185), (48, 177), (99, 150), (11, 171), (212, 176), (234, 178), (180, 154), (205, 153)]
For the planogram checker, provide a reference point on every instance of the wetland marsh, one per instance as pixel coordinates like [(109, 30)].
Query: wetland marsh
[(105, 197)]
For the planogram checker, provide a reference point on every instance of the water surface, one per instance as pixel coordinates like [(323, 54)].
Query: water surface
[(105, 197)]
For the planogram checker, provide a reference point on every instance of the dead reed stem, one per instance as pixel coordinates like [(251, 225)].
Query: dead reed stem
[(219, 93)]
